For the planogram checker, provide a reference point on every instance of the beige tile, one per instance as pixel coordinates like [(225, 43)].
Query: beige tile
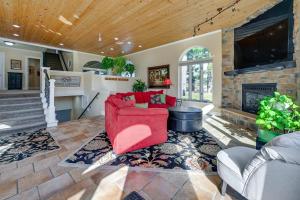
[(177, 179), (58, 170), (45, 163), (54, 185), (8, 189), (8, 167), (160, 189), (208, 183), (189, 191), (135, 181), (108, 192), (79, 191), (34, 179), (31, 194), (16, 173)]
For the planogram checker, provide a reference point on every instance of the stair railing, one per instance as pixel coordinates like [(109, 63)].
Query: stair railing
[(88, 105), (47, 94), (62, 60)]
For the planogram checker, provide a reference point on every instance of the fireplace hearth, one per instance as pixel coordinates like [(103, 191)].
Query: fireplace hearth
[(253, 93)]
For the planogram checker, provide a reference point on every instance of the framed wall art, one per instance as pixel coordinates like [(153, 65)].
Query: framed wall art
[(15, 64), (157, 75)]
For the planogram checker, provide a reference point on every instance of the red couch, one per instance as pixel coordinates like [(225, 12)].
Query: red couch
[(130, 128)]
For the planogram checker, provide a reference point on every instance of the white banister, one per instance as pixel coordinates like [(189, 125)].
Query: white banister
[(51, 116), (47, 95)]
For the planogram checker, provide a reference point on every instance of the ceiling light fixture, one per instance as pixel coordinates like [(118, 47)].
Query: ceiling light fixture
[(116, 38), (102, 52), (123, 52), (111, 49), (140, 46), (15, 34), (220, 10), (9, 43), (61, 44), (99, 37), (16, 26), (119, 42), (128, 42)]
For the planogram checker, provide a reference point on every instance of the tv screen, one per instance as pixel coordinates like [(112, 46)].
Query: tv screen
[(265, 40)]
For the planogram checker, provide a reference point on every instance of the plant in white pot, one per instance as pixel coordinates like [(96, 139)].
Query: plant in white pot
[(107, 64)]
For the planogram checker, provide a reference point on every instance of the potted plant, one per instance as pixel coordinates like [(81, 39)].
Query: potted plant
[(119, 65), (277, 115), (139, 86), (130, 68), (107, 64)]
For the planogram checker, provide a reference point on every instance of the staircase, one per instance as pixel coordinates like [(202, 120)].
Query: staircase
[(21, 111)]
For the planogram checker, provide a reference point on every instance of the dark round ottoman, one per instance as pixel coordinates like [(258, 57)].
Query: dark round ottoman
[(185, 119)]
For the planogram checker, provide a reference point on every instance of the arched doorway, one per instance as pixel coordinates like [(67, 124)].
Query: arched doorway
[(196, 75)]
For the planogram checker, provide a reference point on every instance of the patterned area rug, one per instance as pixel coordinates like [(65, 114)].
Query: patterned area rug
[(19, 146), (183, 151)]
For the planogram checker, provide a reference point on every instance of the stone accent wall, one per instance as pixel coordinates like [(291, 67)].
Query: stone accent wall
[(288, 80)]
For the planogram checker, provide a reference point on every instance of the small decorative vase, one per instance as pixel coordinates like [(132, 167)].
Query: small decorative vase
[(109, 72)]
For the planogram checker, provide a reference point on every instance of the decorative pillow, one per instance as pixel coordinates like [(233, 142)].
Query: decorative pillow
[(158, 99), (141, 105), (128, 98)]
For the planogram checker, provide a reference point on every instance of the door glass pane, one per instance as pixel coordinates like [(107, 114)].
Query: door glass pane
[(207, 81), (196, 72), (184, 82)]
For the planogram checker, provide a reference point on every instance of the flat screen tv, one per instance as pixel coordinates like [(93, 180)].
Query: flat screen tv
[(267, 39)]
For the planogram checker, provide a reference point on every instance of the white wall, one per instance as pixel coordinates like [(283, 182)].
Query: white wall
[(81, 58), (171, 53), (18, 54)]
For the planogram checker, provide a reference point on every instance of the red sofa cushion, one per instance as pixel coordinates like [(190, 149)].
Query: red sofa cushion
[(149, 93), (119, 102)]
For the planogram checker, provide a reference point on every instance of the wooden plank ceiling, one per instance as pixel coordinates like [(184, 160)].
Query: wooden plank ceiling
[(123, 26)]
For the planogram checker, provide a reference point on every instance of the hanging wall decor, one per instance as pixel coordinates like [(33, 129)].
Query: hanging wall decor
[(157, 75)]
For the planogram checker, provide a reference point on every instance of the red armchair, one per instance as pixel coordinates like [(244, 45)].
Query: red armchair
[(130, 128)]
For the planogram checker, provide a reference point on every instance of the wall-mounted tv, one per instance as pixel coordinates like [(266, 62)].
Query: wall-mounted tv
[(267, 39)]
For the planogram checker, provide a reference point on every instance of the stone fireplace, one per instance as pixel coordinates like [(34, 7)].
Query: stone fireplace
[(253, 93), (239, 91)]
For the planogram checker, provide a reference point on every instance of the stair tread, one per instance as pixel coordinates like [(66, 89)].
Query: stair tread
[(26, 126), (19, 98), (23, 104), (22, 110), (22, 118)]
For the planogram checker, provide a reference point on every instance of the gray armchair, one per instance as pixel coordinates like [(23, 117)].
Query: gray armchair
[(273, 173)]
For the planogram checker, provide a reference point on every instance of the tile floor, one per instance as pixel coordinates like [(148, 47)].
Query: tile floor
[(41, 177)]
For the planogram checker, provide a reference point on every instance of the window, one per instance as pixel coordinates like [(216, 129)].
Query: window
[(196, 75)]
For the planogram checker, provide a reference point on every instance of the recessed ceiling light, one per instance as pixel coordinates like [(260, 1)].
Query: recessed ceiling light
[(111, 49), (116, 38), (123, 51), (102, 52), (119, 42), (61, 44), (15, 34), (128, 42), (16, 26), (9, 43), (140, 46)]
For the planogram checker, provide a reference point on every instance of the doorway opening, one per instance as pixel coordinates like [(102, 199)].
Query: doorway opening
[(34, 73)]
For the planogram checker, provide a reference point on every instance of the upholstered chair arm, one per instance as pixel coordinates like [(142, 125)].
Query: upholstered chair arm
[(273, 180)]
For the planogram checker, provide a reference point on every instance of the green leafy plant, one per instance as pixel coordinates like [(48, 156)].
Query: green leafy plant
[(130, 68), (279, 114), (119, 65), (107, 63), (139, 86)]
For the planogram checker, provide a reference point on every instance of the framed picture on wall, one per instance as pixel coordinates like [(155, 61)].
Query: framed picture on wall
[(15, 64), (157, 75)]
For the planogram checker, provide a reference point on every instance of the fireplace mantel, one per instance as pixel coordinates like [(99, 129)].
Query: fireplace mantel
[(262, 68)]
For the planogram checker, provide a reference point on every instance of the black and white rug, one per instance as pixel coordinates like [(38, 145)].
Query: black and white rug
[(183, 151), (19, 146)]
